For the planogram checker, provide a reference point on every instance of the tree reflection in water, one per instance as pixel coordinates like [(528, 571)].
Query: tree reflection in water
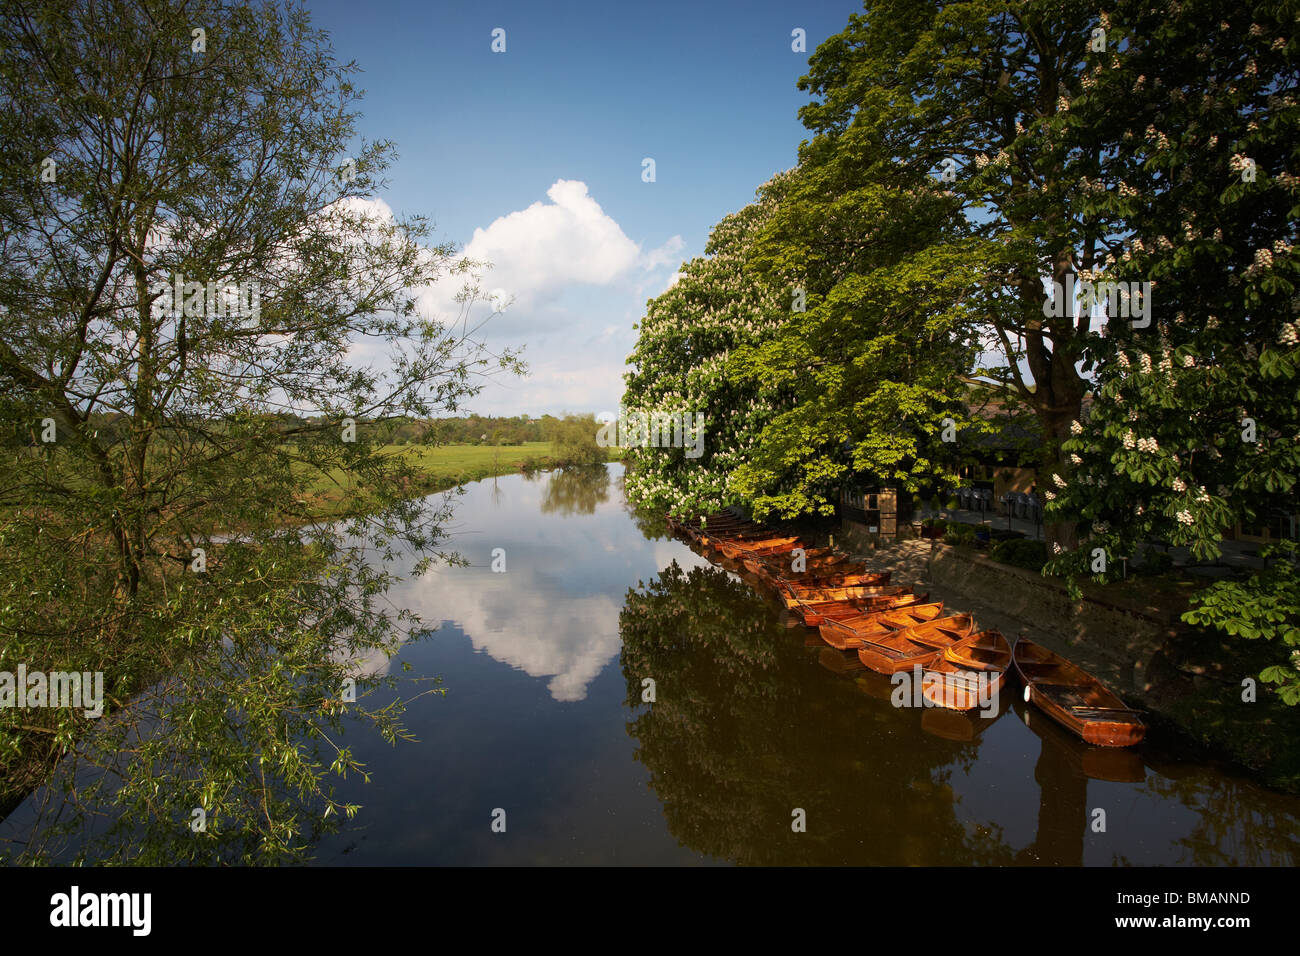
[(649, 521), (749, 722), (1235, 825), (746, 727), (576, 490)]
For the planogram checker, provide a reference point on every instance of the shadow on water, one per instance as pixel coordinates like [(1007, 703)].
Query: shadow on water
[(752, 720), (746, 728)]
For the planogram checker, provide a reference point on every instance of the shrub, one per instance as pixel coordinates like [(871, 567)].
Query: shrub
[(960, 533), (1020, 553)]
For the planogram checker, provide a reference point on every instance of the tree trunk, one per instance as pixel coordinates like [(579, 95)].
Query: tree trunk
[(1057, 398)]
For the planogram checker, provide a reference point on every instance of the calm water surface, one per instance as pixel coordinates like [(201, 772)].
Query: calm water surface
[(543, 667)]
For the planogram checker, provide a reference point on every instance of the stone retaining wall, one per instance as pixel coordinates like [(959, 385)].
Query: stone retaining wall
[(1115, 643)]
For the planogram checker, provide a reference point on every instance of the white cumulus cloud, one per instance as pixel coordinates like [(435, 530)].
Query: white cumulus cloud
[(561, 271), (538, 251)]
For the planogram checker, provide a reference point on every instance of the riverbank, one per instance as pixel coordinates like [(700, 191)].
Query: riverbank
[(1187, 680), (441, 468)]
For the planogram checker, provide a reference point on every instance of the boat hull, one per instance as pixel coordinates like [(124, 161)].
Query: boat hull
[(847, 634), (917, 646), (1075, 699), (953, 681)]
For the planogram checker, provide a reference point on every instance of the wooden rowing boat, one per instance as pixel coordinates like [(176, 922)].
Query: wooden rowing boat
[(813, 614), (845, 634), (1074, 698), (775, 568), (812, 557), (735, 549), (777, 552), (811, 588), (953, 681), (691, 527), (727, 531), (712, 541), (709, 536), (823, 577), (792, 594), (918, 645)]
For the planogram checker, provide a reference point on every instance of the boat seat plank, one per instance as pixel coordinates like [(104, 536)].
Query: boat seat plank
[(1065, 694)]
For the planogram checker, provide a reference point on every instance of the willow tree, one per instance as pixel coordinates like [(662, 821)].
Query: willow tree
[(190, 255)]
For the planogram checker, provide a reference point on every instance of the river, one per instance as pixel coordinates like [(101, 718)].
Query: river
[(755, 749)]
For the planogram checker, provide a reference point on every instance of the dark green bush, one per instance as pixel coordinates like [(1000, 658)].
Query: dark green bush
[(958, 532), (1020, 553)]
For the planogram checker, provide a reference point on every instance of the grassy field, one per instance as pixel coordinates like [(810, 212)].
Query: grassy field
[(447, 461), (439, 466), (445, 466)]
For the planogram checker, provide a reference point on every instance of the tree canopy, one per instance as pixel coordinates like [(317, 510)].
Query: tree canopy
[(190, 253), (972, 164)]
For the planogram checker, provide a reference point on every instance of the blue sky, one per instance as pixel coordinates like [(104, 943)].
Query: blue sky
[(533, 157)]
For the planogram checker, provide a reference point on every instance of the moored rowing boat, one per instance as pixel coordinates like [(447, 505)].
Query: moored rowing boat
[(794, 594), (973, 666), (1074, 698), (734, 548), (773, 568), (919, 644), (895, 597), (812, 589), (847, 633)]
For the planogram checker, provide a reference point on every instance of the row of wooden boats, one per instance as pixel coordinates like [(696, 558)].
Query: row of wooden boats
[(892, 629)]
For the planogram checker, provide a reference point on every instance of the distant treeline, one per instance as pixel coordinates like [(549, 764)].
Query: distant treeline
[(468, 430)]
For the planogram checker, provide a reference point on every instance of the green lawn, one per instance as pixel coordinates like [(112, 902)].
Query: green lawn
[(447, 461)]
